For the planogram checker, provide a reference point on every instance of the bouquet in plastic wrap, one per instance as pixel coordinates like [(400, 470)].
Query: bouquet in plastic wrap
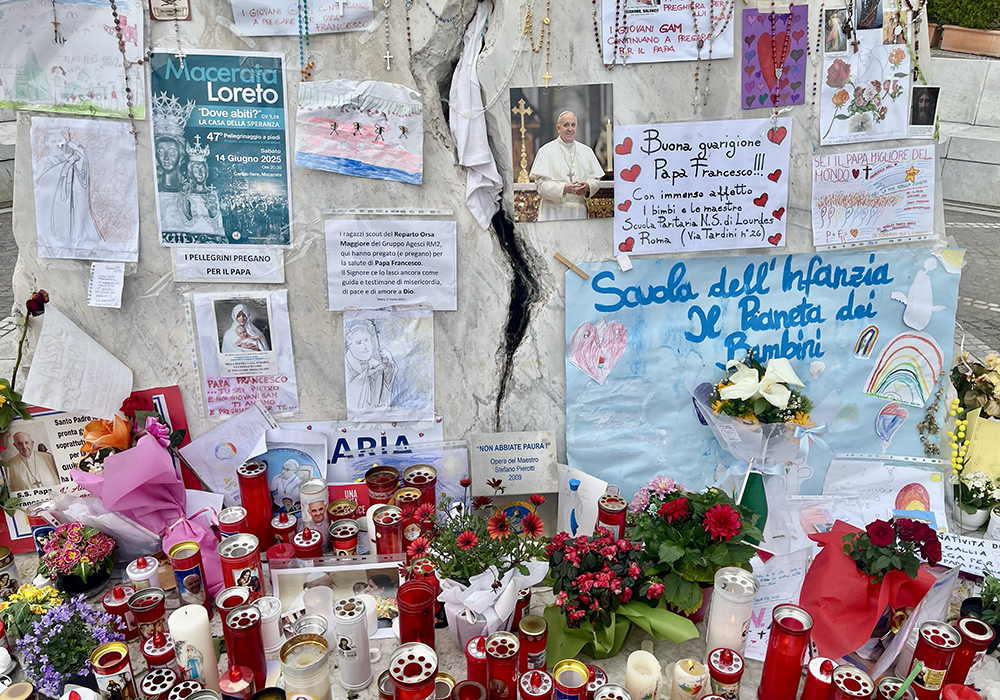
[(758, 414), (860, 573)]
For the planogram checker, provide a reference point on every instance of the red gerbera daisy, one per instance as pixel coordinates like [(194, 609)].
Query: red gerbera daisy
[(467, 540), (722, 522), (532, 525), (481, 502), (465, 483), (424, 513), (537, 499), (498, 527), (417, 548)]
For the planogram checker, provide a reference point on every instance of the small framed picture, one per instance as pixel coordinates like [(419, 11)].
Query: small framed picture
[(375, 575), (835, 23), (923, 110)]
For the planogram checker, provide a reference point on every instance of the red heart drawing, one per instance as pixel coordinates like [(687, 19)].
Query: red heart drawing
[(765, 55), (624, 206), (749, 70), (777, 135), (778, 213), (797, 35), (625, 147), (783, 83), (775, 176), (775, 239), (626, 245), (761, 200), (855, 172), (630, 174)]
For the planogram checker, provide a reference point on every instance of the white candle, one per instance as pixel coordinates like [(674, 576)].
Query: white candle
[(732, 605), (192, 637), (642, 675), (270, 625), (690, 679), (319, 601)]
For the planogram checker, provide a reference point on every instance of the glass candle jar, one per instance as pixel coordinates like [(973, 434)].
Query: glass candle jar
[(468, 690), (416, 604), (732, 604), (388, 529), (596, 679), (936, 645), (243, 626), (413, 668), (850, 683), (422, 477), (786, 647), (408, 500), (536, 685), (725, 670), (532, 634), (382, 482), (255, 497), (305, 666), (976, 636), (611, 511), (231, 598), (342, 509), (344, 538), (501, 666), (521, 607)]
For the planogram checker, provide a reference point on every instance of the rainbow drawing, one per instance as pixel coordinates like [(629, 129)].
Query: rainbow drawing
[(906, 370), (866, 343)]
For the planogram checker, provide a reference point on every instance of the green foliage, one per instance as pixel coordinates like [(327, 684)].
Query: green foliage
[(974, 14), (11, 405), (991, 600)]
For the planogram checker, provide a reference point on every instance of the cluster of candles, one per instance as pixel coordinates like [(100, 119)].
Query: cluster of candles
[(939, 666)]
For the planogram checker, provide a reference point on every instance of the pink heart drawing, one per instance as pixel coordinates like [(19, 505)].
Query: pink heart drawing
[(596, 349)]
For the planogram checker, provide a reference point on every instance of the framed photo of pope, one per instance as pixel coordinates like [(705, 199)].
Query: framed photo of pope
[(562, 152)]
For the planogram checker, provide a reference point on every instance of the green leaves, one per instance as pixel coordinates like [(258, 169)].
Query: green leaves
[(669, 553), (684, 595)]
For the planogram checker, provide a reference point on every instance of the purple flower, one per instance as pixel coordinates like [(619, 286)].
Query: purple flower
[(158, 430)]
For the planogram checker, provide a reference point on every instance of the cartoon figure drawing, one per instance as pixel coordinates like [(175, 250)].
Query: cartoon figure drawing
[(357, 129), (403, 131), (919, 300), (333, 129), (370, 368), (379, 131)]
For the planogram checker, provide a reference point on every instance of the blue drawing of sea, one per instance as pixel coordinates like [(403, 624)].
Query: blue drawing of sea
[(348, 166)]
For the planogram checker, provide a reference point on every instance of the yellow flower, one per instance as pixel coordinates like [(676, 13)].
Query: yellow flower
[(717, 406), (801, 418), (3, 399), (4, 606), (37, 609), (841, 97), (15, 596)]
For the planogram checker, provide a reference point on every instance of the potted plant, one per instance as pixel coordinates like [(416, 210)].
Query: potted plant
[(975, 494), (26, 607), (78, 557), (858, 573), (970, 26), (603, 589), (688, 537), (479, 553), (57, 648), (986, 606)]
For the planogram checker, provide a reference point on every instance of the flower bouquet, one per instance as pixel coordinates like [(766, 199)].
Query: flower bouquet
[(25, 607), (78, 557), (102, 438), (858, 574), (602, 591), (975, 491), (690, 536), (483, 558), (759, 414), (59, 645)]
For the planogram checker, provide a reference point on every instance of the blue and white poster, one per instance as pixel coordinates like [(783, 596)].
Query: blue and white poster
[(870, 335), (220, 146)]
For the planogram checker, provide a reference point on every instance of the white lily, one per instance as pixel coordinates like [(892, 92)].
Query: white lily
[(745, 384), (776, 393), (780, 369)]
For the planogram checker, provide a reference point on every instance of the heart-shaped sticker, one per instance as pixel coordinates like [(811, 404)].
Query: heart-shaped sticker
[(775, 176), (775, 239), (854, 232), (630, 174), (626, 245), (777, 135), (778, 213), (761, 201), (625, 206), (625, 147)]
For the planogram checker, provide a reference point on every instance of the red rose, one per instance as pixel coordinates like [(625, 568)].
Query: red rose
[(906, 529), (674, 510), (838, 74), (880, 533), (931, 550), (722, 522), (136, 403), (36, 303)]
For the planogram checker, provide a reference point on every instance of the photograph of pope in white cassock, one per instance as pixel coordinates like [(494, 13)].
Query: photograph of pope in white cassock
[(561, 159)]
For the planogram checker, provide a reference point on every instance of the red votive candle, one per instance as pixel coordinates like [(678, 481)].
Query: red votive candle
[(936, 646), (475, 660), (255, 497), (976, 636), (850, 683), (959, 692), (416, 604), (388, 529), (243, 625), (786, 646), (423, 477), (501, 666), (382, 482), (819, 676)]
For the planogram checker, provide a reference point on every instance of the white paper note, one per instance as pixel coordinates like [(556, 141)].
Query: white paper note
[(590, 490), (780, 582), (71, 372), (106, 283)]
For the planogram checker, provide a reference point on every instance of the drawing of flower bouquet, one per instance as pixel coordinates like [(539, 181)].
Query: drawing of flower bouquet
[(863, 100)]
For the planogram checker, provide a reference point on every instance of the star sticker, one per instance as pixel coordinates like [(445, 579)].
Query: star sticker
[(911, 174)]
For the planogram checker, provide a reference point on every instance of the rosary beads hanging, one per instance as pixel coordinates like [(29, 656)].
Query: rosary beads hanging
[(387, 56), (306, 64), (778, 58), (617, 38), (126, 64), (814, 56), (544, 36), (716, 27)]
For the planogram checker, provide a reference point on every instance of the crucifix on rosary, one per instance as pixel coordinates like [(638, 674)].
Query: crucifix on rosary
[(522, 110), (387, 56)]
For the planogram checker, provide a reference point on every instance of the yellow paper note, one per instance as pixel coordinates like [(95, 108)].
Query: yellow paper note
[(983, 438)]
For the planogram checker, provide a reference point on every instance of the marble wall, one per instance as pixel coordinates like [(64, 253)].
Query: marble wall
[(499, 359)]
